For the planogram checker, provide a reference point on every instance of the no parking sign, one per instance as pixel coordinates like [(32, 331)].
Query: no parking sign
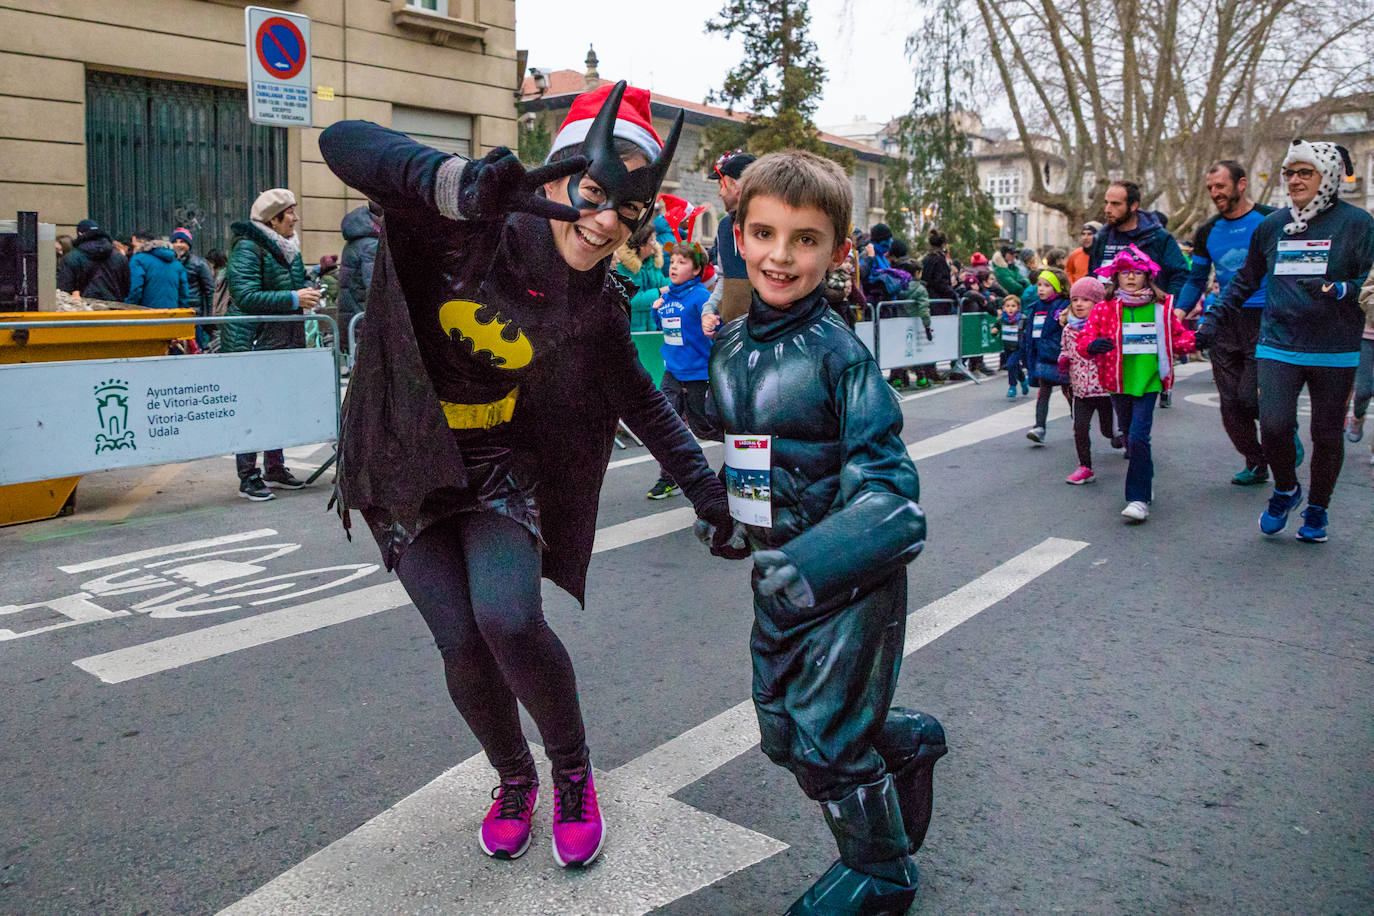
[(278, 67)]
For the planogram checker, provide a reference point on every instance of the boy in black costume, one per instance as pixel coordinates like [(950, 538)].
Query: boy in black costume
[(833, 529)]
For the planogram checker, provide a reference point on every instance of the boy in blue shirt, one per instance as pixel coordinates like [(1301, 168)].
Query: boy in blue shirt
[(685, 348), (826, 496)]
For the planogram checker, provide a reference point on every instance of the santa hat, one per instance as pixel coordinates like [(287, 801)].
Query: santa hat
[(632, 121), (679, 213)]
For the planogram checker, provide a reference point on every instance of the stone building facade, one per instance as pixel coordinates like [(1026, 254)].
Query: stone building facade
[(138, 106)]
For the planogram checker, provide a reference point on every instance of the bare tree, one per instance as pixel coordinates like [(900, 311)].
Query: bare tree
[(1156, 90)]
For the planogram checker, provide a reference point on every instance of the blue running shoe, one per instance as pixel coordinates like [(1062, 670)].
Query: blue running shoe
[(1313, 529), (1011, 392), (1297, 446), (1280, 504), (1025, 387)]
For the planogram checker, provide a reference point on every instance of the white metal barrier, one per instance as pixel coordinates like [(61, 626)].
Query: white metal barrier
[(60, 419)]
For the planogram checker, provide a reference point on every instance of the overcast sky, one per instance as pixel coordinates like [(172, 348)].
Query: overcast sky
[(663, 46)]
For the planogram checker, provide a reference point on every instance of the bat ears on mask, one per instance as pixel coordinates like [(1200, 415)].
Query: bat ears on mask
[(605, 165)]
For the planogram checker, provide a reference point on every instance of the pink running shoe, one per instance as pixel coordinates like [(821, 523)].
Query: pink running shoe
[(1081, 476), (506, 828), (578, 831)]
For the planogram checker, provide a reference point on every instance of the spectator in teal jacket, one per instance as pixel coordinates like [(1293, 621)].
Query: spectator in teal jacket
[(640, 260)]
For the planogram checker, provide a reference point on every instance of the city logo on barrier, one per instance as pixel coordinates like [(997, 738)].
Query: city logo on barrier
[(112, 407)]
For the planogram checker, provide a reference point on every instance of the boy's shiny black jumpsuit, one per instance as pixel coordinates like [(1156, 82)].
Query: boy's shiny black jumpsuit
[(844, 511)]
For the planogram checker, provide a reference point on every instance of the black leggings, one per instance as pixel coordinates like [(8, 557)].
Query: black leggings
[(1042, 401), (1280, 384), (1083, 410), (475, 579)]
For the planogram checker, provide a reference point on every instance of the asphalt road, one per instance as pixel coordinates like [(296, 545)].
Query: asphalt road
[(1172, 717)]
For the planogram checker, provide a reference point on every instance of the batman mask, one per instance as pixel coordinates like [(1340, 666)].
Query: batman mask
[(630, 194)]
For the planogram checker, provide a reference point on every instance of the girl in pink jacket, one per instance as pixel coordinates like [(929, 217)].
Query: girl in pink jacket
[(1089, 395), (1133, 337)]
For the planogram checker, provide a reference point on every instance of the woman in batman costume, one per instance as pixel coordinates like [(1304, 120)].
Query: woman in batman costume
[(493, 366)]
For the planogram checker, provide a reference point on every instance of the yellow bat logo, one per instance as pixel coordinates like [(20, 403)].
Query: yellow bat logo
[(460, 316)]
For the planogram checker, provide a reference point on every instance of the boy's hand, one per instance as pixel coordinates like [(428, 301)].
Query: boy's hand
[(497, 185), (724, 541), (709, 323), (658, 303), (779, 574)]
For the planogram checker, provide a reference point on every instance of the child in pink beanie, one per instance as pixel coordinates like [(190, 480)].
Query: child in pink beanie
[(1089, 395)]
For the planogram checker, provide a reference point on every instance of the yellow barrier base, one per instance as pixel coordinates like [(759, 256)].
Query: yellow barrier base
[(33, 502)]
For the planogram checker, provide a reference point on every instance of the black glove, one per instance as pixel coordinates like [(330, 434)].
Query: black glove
[(1206, 334), (1100, 346), (497, 185), (1318, 288), (725, 540), (930, 335), (777, 573)]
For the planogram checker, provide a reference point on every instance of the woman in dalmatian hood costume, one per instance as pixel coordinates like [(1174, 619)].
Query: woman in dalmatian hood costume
[(493, 367), (1313, 256)]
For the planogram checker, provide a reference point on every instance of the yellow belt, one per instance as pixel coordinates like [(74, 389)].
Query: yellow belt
[(480, 416)]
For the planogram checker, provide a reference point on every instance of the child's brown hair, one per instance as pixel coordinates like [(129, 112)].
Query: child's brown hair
[(800, 179)]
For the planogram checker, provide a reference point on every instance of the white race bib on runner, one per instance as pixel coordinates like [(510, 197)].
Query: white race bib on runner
[(672, 331), (748, 482), (1138, 338), (1302, 258), (1037, 326)]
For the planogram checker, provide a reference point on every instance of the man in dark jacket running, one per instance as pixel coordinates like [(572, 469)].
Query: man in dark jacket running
[(94, 268), (360, 232), (1128, 225)]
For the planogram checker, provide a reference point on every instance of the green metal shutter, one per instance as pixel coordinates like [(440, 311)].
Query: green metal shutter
[(162, 154)]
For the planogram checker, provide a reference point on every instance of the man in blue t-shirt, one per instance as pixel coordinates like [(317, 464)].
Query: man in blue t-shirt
[(1221, 244), (730, 299)]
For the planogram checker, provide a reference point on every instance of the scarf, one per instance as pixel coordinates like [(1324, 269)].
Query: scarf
[(289, 248), (1138, 297), (1332, 163), (1077, 323), (880, 251)]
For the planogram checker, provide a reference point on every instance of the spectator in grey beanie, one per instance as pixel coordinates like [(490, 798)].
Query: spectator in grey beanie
[(200, 280)]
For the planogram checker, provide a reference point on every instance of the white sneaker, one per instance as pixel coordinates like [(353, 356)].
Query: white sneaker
[(1036, 435), (1136, 511)]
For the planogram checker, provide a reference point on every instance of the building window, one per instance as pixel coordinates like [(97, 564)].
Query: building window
[(431, 6), (443, 130), (872, 191), (1005, 190)]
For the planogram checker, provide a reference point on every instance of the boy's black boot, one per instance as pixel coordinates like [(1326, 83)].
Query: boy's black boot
[(910, 743), (875, 875)]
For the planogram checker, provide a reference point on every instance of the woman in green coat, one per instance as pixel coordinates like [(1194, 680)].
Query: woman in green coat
[(640, 260), (266, 277)]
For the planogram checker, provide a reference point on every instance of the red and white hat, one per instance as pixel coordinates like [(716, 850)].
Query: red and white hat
[(632, 121)]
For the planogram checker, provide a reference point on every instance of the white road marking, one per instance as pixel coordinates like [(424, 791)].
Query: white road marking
[(1018, 418), (640, 459), (124, 559), (422, 854), (210, 642)]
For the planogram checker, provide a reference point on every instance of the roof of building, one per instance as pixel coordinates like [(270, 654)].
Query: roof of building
[(566, 83)]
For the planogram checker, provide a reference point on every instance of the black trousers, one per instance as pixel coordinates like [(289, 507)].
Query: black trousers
[(247, 462), (1042, 401), (823, 682), (1280, 384), (689, 400), (475, 579), (1083, 410), (1233, 369)]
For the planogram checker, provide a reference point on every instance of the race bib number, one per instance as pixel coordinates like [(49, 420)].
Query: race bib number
[(1139, 337), (672, 331), (1037, 326), (1302, 258), (748, 484)]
